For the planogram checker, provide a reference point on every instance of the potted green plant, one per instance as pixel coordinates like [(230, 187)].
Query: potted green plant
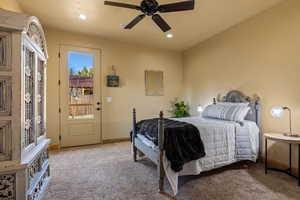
[(179, 109)]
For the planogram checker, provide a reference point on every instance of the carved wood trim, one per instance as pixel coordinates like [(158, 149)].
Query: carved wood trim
[(35, 32), (8, 186), (40, 186), (37, 166)]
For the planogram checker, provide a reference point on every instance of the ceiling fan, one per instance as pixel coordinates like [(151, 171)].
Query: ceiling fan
[(150, 8)]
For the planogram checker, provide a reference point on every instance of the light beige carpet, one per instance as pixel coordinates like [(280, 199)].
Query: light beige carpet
[(107, 172)]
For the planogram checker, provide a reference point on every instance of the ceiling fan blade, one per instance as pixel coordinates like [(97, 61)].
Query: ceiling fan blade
[(175, 7), (134, 21), (122, 5), (161, 23)]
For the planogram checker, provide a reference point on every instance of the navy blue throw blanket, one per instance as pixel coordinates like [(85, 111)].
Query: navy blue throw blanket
[(182, 140)]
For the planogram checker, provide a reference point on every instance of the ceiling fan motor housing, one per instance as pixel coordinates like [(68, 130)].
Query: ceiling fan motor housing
[(149, 7)]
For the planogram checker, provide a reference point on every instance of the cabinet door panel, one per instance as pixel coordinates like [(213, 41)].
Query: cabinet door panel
[(5, 95), (40, 98), (29, 97), (5, 51), (5, 140)]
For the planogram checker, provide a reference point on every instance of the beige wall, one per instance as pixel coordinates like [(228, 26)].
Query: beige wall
[(11, 5), (260, 56), (130, 62)]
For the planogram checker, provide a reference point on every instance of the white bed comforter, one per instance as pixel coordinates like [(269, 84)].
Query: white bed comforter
[(225, 142)]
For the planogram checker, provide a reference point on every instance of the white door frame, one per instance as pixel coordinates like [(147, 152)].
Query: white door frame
[(62, 64)]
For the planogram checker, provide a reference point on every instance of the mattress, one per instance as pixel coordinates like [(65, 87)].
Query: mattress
[(225, 142)]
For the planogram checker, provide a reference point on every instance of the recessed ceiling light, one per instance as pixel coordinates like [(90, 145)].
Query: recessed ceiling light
[(82, 17), (170, 35)]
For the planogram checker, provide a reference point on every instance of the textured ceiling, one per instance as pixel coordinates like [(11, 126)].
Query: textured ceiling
[(189, 28)]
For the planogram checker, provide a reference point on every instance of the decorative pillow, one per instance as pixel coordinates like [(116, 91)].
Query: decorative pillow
[(230, 112)]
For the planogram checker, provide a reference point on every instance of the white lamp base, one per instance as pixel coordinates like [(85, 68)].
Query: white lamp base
[(291, 135)]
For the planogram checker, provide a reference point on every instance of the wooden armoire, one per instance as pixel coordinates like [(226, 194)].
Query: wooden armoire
[(24, 166)]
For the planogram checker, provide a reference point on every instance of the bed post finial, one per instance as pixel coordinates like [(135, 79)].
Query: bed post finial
[(161, 114), (134, 135), (134, 120), (134, 113), (161, 136)]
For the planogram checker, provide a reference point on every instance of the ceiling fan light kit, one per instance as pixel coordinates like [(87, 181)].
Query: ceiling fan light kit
[(170, 35), (151, 8)]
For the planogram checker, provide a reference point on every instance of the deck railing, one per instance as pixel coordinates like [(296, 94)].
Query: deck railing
[(81, 107)]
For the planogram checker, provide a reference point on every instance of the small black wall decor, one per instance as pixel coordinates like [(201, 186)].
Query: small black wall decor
[(113, 80)]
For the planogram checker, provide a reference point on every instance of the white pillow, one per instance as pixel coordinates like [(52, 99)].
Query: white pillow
[(243, 113), (231, 112)]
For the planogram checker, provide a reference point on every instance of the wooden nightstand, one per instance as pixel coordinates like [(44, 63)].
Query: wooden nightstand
[(289, 140)]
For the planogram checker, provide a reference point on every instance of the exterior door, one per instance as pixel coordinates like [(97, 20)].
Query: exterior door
[(80, 96)]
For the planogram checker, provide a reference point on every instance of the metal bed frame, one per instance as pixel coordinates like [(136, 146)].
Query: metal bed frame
[(156, 154)]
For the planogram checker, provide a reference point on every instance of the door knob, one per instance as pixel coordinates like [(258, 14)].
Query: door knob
[(98, 109), (98, 103)]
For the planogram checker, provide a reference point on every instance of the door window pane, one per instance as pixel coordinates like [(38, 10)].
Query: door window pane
[(81, 85)]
